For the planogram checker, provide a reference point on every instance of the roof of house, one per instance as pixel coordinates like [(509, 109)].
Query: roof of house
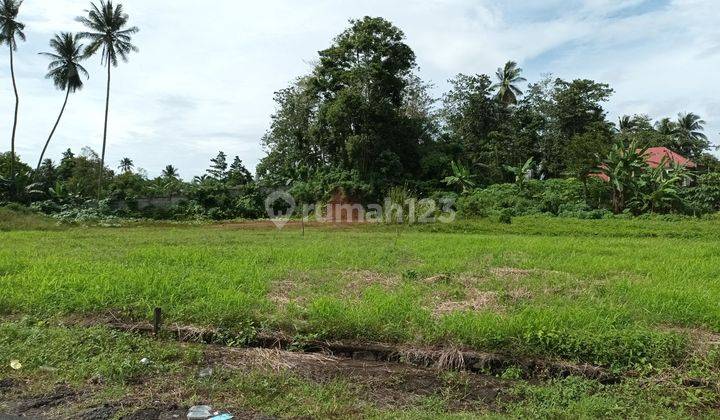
[(656, 155)]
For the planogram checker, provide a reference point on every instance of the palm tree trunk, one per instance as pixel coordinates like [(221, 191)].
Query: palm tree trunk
[(12, 139), (62, 110), (107, 110)]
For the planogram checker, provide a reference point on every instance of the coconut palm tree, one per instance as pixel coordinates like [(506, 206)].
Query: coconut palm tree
[(508, 76), (665, 127), (126, 165), (65, 71), (627, 124), (691, 125), (689, 136), (109, 35), (170, 172), (10, 31)]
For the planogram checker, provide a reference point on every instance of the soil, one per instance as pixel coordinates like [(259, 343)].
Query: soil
[(385, 384)]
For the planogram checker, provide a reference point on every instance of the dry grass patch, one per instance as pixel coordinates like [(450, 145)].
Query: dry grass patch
[(702, 340), (293, 288), (358, 281), (475, 301)]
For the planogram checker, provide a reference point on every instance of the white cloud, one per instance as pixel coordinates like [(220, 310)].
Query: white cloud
[(205, 75)]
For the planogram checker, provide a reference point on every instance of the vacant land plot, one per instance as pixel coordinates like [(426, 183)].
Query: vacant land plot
[(636, 300)]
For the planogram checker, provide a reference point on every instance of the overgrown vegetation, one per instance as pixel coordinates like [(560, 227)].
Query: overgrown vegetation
[(629, 286), (603, 292), (513, 292), (363, 123), (19, 218)]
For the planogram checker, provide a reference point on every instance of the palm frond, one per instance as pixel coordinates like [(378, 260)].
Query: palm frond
[(108, 32)]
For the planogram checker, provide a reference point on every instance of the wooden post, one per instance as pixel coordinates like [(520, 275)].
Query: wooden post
[(157, 320), (302, 218)]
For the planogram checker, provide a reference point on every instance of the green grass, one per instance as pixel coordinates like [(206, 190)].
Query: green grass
[(103, 368), (638, 295), (610, 294), (19, 218)]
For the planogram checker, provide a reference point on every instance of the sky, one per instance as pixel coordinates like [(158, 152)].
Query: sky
[(205, 75)]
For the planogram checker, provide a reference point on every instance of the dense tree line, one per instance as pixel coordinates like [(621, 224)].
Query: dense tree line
[(364, 116), (363, 121)]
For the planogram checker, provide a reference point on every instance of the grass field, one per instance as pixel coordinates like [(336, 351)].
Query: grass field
[(639, 298)]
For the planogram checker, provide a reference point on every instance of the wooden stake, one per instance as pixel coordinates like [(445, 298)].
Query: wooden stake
[(157, 320)]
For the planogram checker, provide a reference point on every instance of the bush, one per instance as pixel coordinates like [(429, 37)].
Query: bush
[(494, 199), (91, 211), (556, 196), (704, 197)]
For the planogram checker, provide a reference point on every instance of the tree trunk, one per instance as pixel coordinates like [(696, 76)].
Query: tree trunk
[(616, 201), (107, 109), (13, 186), (62, 110)]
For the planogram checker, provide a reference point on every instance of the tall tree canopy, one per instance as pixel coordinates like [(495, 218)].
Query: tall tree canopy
[(350, 113), (508, 77)]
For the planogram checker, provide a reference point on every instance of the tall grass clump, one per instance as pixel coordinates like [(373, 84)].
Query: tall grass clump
[(16, 217)]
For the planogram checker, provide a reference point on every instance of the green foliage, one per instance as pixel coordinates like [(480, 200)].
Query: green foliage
[(108, 32), (216, 200), (556, 197), (658, 189), (585, 151), (65, 69), (460, 177), (218, 167), (471, 114), (508, 77), (14, 188), (689, 137), (354, 113), (79, 355), (522, 173), (363, 122), (623, 167), (16, 217), (704, 197), (575, 397)]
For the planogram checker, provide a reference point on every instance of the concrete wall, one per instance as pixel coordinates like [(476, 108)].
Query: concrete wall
[(144, 203)]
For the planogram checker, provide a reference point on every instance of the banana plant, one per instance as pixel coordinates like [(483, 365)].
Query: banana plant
[(659, 187), (461, 177), (521, 172), (623, 167)]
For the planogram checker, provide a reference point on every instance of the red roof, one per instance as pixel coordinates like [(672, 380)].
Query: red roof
[(655, 155)]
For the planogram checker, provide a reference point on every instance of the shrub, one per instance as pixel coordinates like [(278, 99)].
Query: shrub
[(555, 196), (704, 197), (494, 199)]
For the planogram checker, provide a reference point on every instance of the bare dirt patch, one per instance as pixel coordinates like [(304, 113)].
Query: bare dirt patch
[(387, 384), (509, 272), (291, 225), (378, 383)]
